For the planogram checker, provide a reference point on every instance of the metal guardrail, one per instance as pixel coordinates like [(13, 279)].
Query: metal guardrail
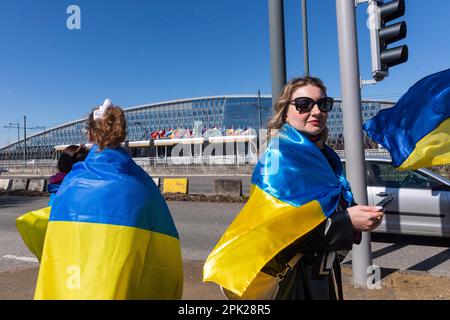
[(29, 164), (203, 160), (177, 162)]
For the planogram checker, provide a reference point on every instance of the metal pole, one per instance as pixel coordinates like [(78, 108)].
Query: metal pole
[(25, 139), (305, 38), (259, 109), (18, 131), (352, 116), (277, 46)]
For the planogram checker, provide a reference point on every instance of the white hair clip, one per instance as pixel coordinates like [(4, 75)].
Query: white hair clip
[(98, 114)]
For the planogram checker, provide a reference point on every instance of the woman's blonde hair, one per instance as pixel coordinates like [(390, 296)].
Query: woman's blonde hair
[(110, 130), (282, 104)]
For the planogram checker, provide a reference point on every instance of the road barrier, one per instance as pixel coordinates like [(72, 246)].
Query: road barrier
[(228, 187), (19, 184), (174, 185), (37, 185), (5, 184)]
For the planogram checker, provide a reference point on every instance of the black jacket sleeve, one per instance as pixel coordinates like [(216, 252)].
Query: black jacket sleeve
[(335, 233)]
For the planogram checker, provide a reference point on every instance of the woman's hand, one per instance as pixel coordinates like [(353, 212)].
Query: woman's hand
[(365, 218)]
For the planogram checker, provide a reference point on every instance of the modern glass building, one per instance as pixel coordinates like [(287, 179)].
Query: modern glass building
[(222, 112)]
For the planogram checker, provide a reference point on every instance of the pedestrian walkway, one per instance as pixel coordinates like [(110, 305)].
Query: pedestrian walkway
[(396, 285)]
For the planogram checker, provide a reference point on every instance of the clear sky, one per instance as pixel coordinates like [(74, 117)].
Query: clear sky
[(138, 52)]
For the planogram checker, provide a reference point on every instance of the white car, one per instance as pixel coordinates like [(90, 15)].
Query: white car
[(421, 203)]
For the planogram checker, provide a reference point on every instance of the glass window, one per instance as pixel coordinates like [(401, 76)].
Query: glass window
[(385, 175)]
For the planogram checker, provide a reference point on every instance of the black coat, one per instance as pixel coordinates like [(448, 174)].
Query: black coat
[(317, 276)]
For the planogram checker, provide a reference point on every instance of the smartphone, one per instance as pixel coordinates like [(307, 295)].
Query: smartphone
[(386, 201)]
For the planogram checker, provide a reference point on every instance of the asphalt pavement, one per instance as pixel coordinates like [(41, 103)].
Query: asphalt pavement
[(411, 267)]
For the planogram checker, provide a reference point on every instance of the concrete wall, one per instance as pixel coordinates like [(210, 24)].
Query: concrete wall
[(152, 170)]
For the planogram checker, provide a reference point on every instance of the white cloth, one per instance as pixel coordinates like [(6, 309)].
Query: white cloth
[(98, 114)]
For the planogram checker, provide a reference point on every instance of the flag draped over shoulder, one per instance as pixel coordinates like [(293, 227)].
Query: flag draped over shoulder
[(32, 226), (416, 131), (110, 235), (294, 189)]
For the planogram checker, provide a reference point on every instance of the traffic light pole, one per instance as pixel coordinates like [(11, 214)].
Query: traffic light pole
[(352, 116), (277, 47), (305, 38)]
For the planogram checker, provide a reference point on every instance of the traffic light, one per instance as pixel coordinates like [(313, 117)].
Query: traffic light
[(381, 35)]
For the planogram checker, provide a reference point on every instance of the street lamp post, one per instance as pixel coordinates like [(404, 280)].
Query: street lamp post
[(24, 140), (17, 125), (18, 129), (259, 109)]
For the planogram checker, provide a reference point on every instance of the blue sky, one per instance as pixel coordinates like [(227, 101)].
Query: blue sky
[(138, 52)]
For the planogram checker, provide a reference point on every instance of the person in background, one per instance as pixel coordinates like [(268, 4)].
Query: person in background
[(70, 155)]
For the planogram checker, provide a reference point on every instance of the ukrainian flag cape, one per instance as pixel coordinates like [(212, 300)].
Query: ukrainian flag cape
[(416, 131), (32, 227), (294, 189), (110, 235)]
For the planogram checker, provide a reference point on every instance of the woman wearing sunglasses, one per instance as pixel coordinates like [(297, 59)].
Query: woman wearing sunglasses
[(300, 122), (312, 171), (300, 221)]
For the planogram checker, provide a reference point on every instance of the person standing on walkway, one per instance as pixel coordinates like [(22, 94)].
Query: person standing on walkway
[(300, 205), (110, 233)]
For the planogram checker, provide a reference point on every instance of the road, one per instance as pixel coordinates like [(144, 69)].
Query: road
[(201, 224)]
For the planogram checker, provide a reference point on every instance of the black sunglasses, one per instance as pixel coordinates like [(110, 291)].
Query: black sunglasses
[(306, 104)]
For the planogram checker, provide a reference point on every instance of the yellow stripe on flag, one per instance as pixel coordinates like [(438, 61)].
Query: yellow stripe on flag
[(101, 261), (264, 227), (431, 150), (32, 227)]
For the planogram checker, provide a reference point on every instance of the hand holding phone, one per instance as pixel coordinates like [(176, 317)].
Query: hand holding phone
[(386, 201)]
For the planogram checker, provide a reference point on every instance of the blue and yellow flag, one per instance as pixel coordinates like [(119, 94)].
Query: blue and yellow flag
[(110, 235), (32, 226), (416, 131), (294, 189)]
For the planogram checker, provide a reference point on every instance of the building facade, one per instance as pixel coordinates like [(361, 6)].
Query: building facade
[(238, 112)]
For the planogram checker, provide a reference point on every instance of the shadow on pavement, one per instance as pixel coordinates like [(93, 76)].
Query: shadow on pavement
[(400, 241), (14, 201), (403, 239), (431, 262)]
